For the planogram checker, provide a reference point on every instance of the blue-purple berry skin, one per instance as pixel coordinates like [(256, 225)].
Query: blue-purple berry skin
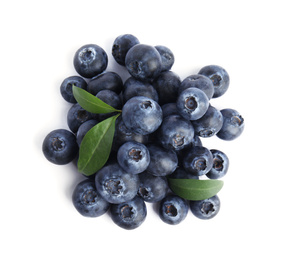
[(205, 209), (192, 103), (90, 60), (88, 201), (220, 165), (233, 125), (219, 78)]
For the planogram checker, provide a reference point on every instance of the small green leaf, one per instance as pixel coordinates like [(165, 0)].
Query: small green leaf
[(96, 146), (91, 103), (192, 189)]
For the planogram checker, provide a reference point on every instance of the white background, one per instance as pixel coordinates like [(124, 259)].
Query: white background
[(38, 41)]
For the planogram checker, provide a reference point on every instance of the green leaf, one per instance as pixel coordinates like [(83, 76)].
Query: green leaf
[(91, 103), (96, 146), (192, 189)]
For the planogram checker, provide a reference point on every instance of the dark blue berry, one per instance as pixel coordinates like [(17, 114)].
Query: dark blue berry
[(209, 124), (66, 87), (220, 165), (134, 87), (105, 81), (192, 103), (123, 134), (173, 209), (133, 157), (111, 98), (169, 109), (181, 173), (77, 116), (205, 209), (84, 128), (115, 185), (167, 57), (88, 201), (60, 146), (142, 115), (162, 161), (198, 81), (121, 46), (219, 78), (129, 215), (175, 132), (166, 85), (152, 188), (90, 60), (198, 160), (233, 125), (143, 62)]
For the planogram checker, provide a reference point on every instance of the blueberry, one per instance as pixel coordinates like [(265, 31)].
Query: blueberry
[(209, 124), (175, 132), (111, 98), (67, 90), (121, 46), (84, 128), (162, 161), (129, 215), (134, 87), (233, 125), (173, 209), (167, 57), (133, 157), (166, 85), (123, 134), (192, 103), (77, 116), (152, 188), (220, 165), (142, 115), (198, 160), (115, 185), (169, 109), (88, 201), (143, 62), (60, 146), (198, 81), (219, 78), (90, 60), (106, 81), (181, 173), (205, 209)]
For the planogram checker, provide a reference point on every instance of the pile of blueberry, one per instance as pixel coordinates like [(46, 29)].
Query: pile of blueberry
[(157, 136)]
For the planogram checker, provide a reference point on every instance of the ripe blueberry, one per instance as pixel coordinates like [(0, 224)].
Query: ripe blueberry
[(175, 132), (209, 124), (115, 185), (219, 78), (220, 165), (90, 60), (129, 215), (198, 160), (60, 146), (66, 87), (167, 57), (152, 188), (88, 201), (233, 125), (162, 161), (192, 103), (142, 115), (143, 62), (133, 157), (173, 209), (205, 209), (121, 46)]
